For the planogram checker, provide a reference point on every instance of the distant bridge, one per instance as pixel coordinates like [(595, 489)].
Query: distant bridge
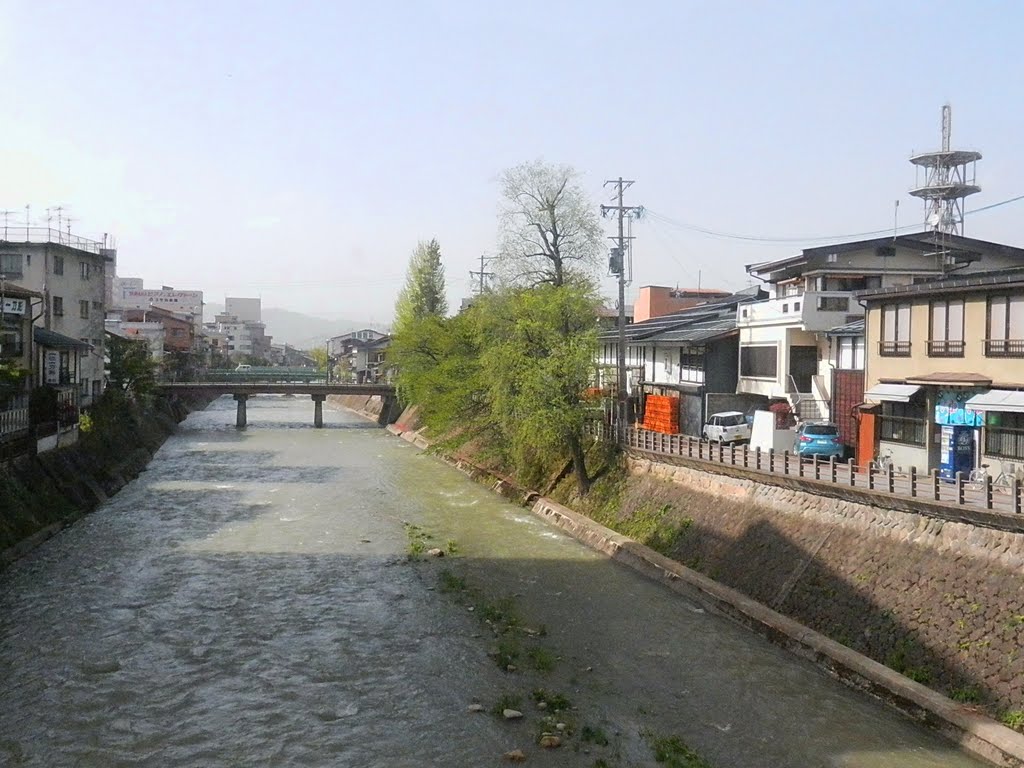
[(243, 389)]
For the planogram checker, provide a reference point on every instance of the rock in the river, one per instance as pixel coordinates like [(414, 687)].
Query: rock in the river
[(515, 756), (512, 714), (476, 707), (550, 741), (435, 552), (542, 705)]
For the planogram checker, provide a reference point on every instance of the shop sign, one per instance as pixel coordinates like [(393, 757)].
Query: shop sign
[(51, 366), (12, 306), (951, 408)]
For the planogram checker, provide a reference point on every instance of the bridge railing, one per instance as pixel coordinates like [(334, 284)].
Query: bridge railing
[(253, 376)]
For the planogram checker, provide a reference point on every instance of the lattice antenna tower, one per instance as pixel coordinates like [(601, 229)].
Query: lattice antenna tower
[(949, 177)]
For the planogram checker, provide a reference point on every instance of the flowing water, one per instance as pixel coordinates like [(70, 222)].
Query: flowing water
[(248, 600)]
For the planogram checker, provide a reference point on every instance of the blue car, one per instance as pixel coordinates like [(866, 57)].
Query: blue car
[(818, 440)]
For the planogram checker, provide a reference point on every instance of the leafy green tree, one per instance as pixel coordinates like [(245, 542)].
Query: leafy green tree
[(423, 293), (550, 230), (320, 358), (131, 368), (537, 364)]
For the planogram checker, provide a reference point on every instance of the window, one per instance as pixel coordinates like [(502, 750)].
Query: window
[(691, 364), (11, 337), (58, 306), (97, 387), (946, 336), (895, 330), (98, 306), (850, 353), (85, 270), (83, 386), (903, 422), (760, 362), (1004, 435), (10, 264), (821, 429), (58, 265), (834, 303), (83, 309), (732, 420), (1005, 327)]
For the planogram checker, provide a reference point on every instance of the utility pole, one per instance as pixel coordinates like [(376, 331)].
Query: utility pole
[(481, 273), (617, 266)]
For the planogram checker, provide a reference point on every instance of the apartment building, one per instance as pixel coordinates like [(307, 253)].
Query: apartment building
[(69, 272), (786, 349), (945, 372)]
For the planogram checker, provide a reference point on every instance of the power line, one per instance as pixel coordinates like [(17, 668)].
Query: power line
[(482, 274), (816, 238)]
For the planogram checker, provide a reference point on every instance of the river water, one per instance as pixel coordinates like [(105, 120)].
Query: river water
[(249, 600)]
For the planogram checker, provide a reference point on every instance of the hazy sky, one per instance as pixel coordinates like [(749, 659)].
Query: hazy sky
[(298, 150)]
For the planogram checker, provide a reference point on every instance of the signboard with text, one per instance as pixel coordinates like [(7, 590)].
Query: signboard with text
[(11, 306), (51, 367)]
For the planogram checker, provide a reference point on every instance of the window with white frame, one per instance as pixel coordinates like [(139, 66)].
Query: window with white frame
[(1005, 337), (946, 331), (850, 353), (895, 330)]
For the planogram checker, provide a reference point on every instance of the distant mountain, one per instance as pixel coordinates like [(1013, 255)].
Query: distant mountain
[(297, 329)]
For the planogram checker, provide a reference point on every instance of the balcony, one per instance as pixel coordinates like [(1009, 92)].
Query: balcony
[(945, 348), (813, 311), (894, 348), (1004, 347)]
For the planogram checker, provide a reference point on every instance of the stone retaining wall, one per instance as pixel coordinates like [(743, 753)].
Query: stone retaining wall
[(940, 601)]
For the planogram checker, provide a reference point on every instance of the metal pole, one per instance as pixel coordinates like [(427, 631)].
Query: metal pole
[(623, 401)]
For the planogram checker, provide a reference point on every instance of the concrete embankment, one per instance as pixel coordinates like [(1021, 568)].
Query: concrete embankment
[(41, 494), (905, 607)]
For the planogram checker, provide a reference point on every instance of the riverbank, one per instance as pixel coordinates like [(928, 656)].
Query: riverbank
[(41, 494), (877, 622)]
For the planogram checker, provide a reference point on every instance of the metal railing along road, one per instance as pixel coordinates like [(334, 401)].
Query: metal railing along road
[(13, 421), (1005, 497)]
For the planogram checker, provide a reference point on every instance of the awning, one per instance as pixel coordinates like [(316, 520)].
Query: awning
[(1005, 400), (54, 340), (893, 393)]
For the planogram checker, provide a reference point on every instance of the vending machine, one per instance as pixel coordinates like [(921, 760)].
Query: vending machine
[(956, 451)]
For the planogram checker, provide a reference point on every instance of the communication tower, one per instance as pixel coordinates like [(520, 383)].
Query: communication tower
[(949, 177)]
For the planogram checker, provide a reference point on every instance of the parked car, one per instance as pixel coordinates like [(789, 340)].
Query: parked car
[(818, 439), (243, 368), (727, 427)]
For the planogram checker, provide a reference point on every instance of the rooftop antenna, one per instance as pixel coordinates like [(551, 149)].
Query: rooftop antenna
[(895, 220), (949, 177)]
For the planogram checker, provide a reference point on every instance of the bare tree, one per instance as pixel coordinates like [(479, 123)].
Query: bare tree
[(550, 231)]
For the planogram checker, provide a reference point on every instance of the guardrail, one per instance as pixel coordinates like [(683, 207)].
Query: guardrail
[(985, 493)]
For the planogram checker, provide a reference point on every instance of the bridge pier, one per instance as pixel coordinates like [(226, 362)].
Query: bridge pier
[(318, 410), (240, 411)]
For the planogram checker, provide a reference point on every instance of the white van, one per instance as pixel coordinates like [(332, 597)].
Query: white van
[(243, 368), (727, 427)]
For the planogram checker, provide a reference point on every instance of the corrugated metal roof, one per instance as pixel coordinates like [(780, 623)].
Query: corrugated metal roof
[(698, 332)]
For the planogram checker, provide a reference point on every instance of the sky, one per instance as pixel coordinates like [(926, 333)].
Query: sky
[(298, 151)]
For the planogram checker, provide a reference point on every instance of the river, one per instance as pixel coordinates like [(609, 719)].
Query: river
[(250, 600)]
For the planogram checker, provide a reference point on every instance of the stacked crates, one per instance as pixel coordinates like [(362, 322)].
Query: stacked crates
[(661, 414)]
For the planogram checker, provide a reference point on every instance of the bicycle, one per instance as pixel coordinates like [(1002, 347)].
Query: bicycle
[(882, 462), (1004, 480), (976, 478)]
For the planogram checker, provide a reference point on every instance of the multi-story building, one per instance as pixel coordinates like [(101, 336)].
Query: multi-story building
[(246, 310), (129, 294), (691, 354), (69, 272), (659, 300), (243, 337), (945, 372), (360, 353), (786, 350)]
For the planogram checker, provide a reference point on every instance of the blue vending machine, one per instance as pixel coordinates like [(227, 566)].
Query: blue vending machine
[(956, 451)]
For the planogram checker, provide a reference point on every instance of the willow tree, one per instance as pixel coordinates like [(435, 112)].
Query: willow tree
[(542, 338)]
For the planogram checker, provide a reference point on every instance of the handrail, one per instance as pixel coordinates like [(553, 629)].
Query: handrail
[(1004, 497)]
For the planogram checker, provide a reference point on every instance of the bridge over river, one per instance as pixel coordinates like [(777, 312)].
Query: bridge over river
[(244, 386), (250, 601)]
